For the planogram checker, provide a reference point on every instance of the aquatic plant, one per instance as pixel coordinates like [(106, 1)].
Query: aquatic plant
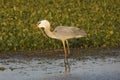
[(2, 68)]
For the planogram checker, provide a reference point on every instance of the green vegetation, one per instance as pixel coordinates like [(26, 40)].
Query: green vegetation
[(2, 68), (99, 18)]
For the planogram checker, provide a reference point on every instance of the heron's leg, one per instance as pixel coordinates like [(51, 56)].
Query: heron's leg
[(64, 49), (68, 49), (67, 66), (65, 59), (68, 52)]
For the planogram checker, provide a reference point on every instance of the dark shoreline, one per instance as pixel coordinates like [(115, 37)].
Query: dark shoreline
[(75, 52)]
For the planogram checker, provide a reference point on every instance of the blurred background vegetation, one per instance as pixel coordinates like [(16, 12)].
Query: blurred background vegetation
[(99, 18)]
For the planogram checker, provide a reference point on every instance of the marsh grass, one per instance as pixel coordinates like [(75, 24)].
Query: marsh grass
[(99, 18)]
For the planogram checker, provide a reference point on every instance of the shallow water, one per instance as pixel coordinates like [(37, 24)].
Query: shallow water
[(53, 69)]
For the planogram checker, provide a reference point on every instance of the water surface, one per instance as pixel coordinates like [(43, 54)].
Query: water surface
[(44, 68)]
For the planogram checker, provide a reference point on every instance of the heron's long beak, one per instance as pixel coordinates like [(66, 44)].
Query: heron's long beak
[(35, 27)]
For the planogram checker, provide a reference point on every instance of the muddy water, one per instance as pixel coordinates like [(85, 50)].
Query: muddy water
[(89, 68)]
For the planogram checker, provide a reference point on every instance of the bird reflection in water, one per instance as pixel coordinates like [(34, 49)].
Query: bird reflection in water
[(67, 69)]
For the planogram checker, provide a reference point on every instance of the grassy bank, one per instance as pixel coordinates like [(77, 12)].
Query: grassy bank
[(99, 18)]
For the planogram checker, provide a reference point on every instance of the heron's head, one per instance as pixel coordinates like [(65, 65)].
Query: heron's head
[(43, 24)]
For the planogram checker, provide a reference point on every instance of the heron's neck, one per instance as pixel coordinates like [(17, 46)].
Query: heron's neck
[(49, 33)]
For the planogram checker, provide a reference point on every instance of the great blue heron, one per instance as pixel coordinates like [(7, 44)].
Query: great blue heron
[(62, 33)]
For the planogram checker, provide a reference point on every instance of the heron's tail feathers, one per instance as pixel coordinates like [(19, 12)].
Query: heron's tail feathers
[(82, 33)]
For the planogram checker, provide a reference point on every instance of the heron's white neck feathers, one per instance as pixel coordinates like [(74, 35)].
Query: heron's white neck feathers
[(49, 33), (46, 25)]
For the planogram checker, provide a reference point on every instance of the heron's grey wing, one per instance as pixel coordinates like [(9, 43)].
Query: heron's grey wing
[(68, 32)]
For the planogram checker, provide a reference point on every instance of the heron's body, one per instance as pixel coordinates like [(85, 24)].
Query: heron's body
[(62, 33)]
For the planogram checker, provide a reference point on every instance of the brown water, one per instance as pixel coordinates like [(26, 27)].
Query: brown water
[(88, 68)]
